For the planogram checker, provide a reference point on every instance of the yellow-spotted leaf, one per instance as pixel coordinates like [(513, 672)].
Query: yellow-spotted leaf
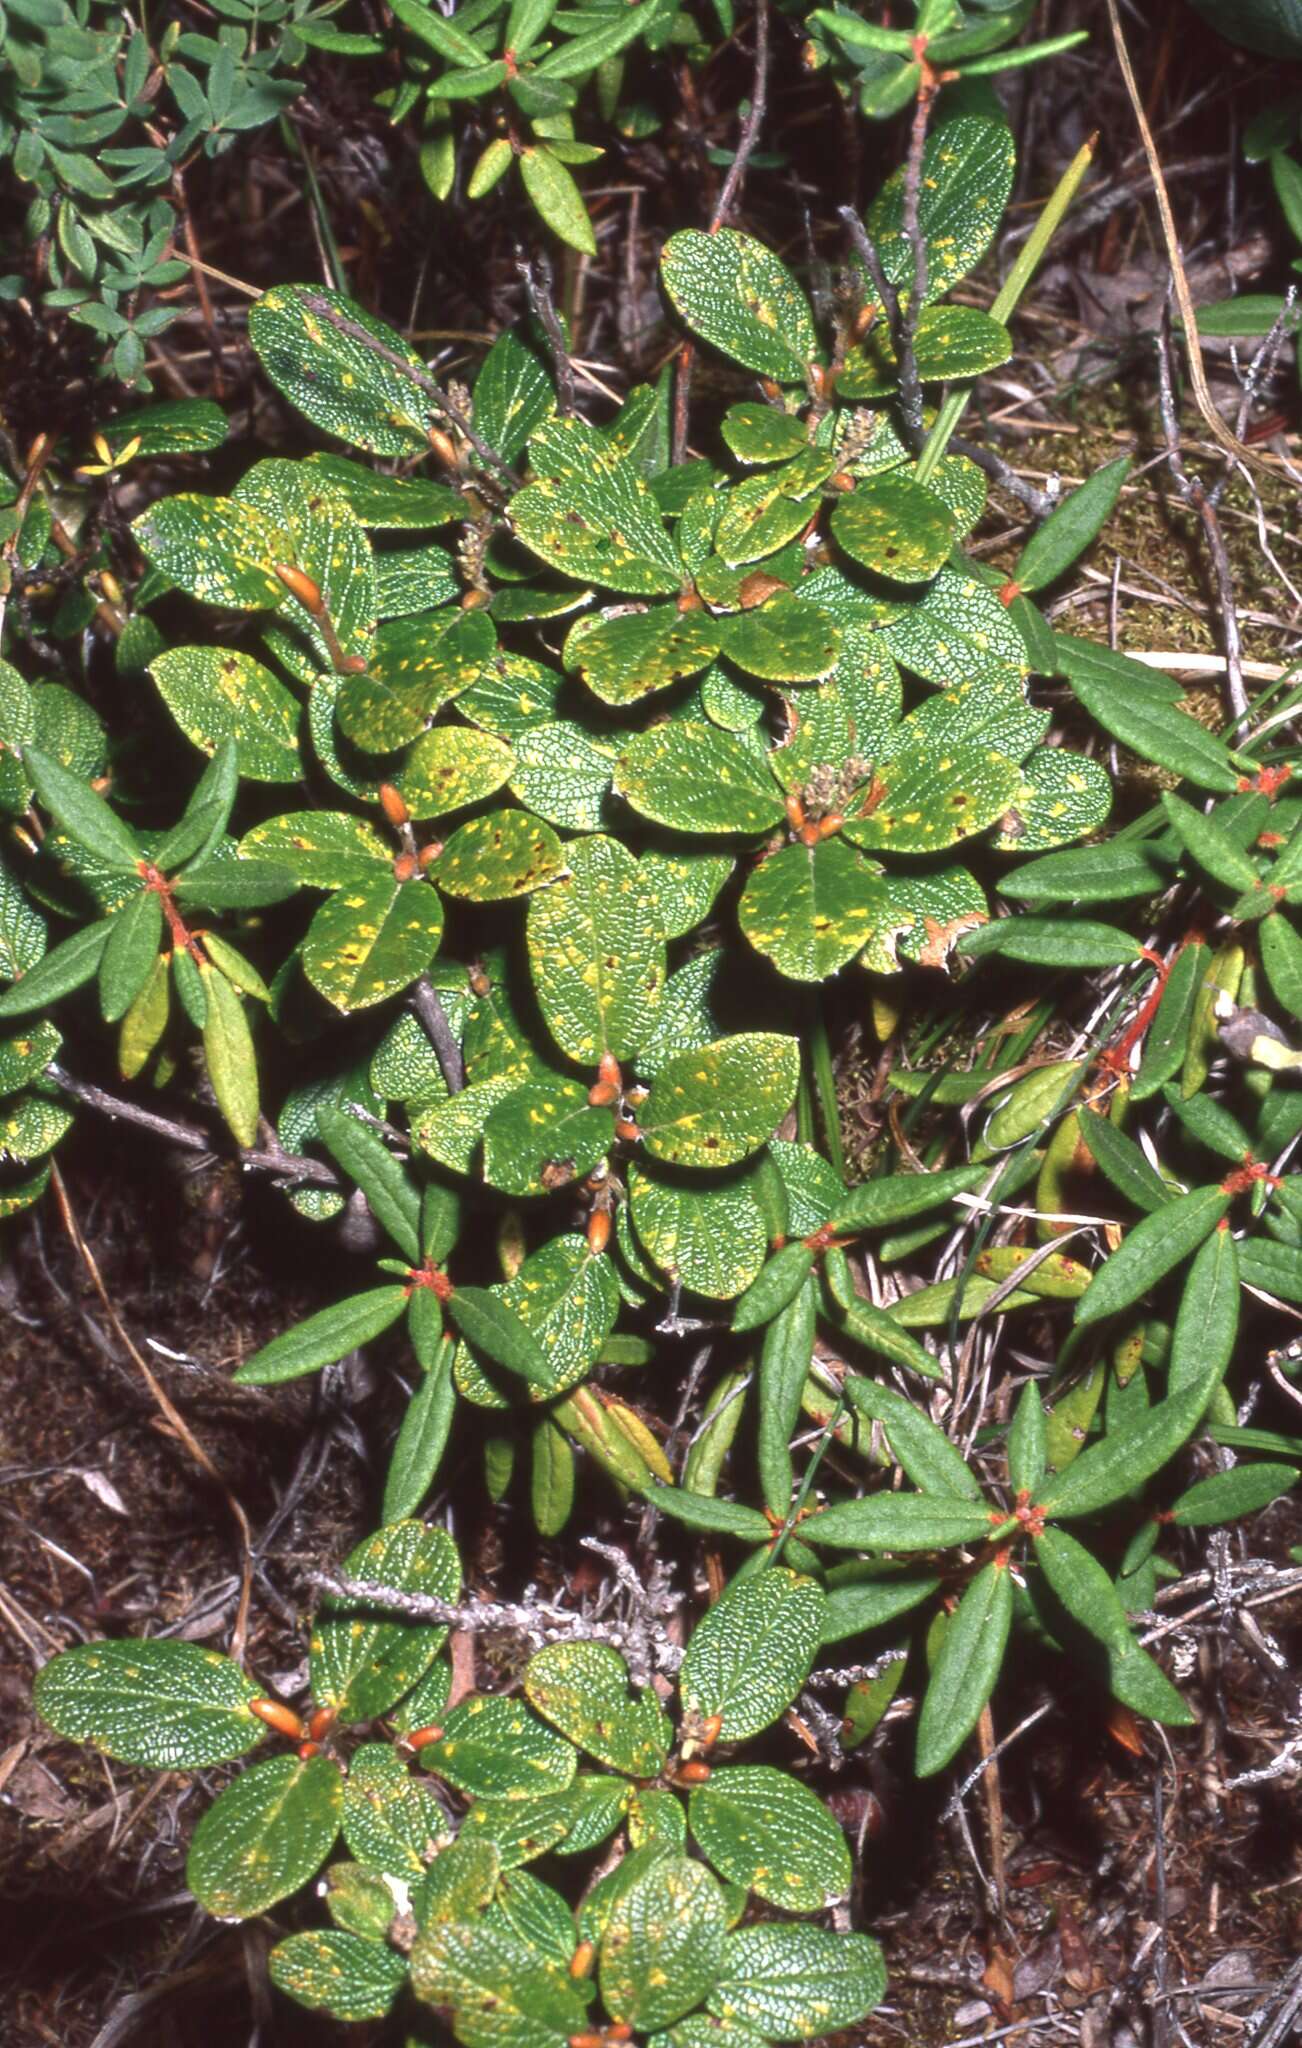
[(809, 909), (715, 1106), (218, 693), (453, 766), (924, 801), (371, 939), (895, 527), (596, 953)]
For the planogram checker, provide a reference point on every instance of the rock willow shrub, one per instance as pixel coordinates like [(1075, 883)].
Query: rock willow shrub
[(432, 1898)]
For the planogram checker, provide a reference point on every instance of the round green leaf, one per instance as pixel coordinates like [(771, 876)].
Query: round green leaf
[(895, 527), (764, 1829), (266, 1835), (169, 1705), (371, 939), (663, 1945), (715, 1106), (698, 779), (792, 1983), (342, 1974), (506, 853), (736, 295), (494, 1748), (752, 1652), (596, 954), (809, 909), (453, 766)]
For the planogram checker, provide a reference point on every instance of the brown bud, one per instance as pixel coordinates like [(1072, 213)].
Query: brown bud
[(443, 446), (795, 812), (308, 1749), (598, 1231), (421, 1738), (582, 1959), (405, 867), (692, 1774), (475, 600), (393, 804), (429, 854), (602, 1094), (711, 1730), (351, 665), (302, 587), (624, 1129), (810, 834), (322, 1721), (278, 1717), (830, 825)]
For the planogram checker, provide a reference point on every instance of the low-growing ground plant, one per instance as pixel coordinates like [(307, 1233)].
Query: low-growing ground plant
[(539, 846)]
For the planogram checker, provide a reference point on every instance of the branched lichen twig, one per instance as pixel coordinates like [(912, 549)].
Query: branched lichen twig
[(192, 1137)]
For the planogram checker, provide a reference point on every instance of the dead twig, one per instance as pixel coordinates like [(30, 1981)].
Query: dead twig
[(537, 276), (426, 1003), (754, 121)]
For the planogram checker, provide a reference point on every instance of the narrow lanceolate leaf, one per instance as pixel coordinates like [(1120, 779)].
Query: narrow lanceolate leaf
[(488, 1324), (330, 1334), (393, 1198), (663, 1945), (1227, 1495), (557, 198), (1210, 846), (1125, 1458), (1152, 1250), (342, 1974), (266, 1835), (777, 1284), (715, 1106), (737, 296), (130, 954), (1085, 1590), (1167, 1039), (752, 1652), (168, 1705), (785, 1357), (1054, 942), (1123, 1163), (83, 814), (764, 1829), (1281, 956), (1207, 1322), (1156, 731), (896, 1197), (716, 1517), (898, 1521), (362, 1665), (1070, 527), (792, 1982), (66, 968), (229, 1056), (921, 1450), (596, 953), (969, 1662)]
